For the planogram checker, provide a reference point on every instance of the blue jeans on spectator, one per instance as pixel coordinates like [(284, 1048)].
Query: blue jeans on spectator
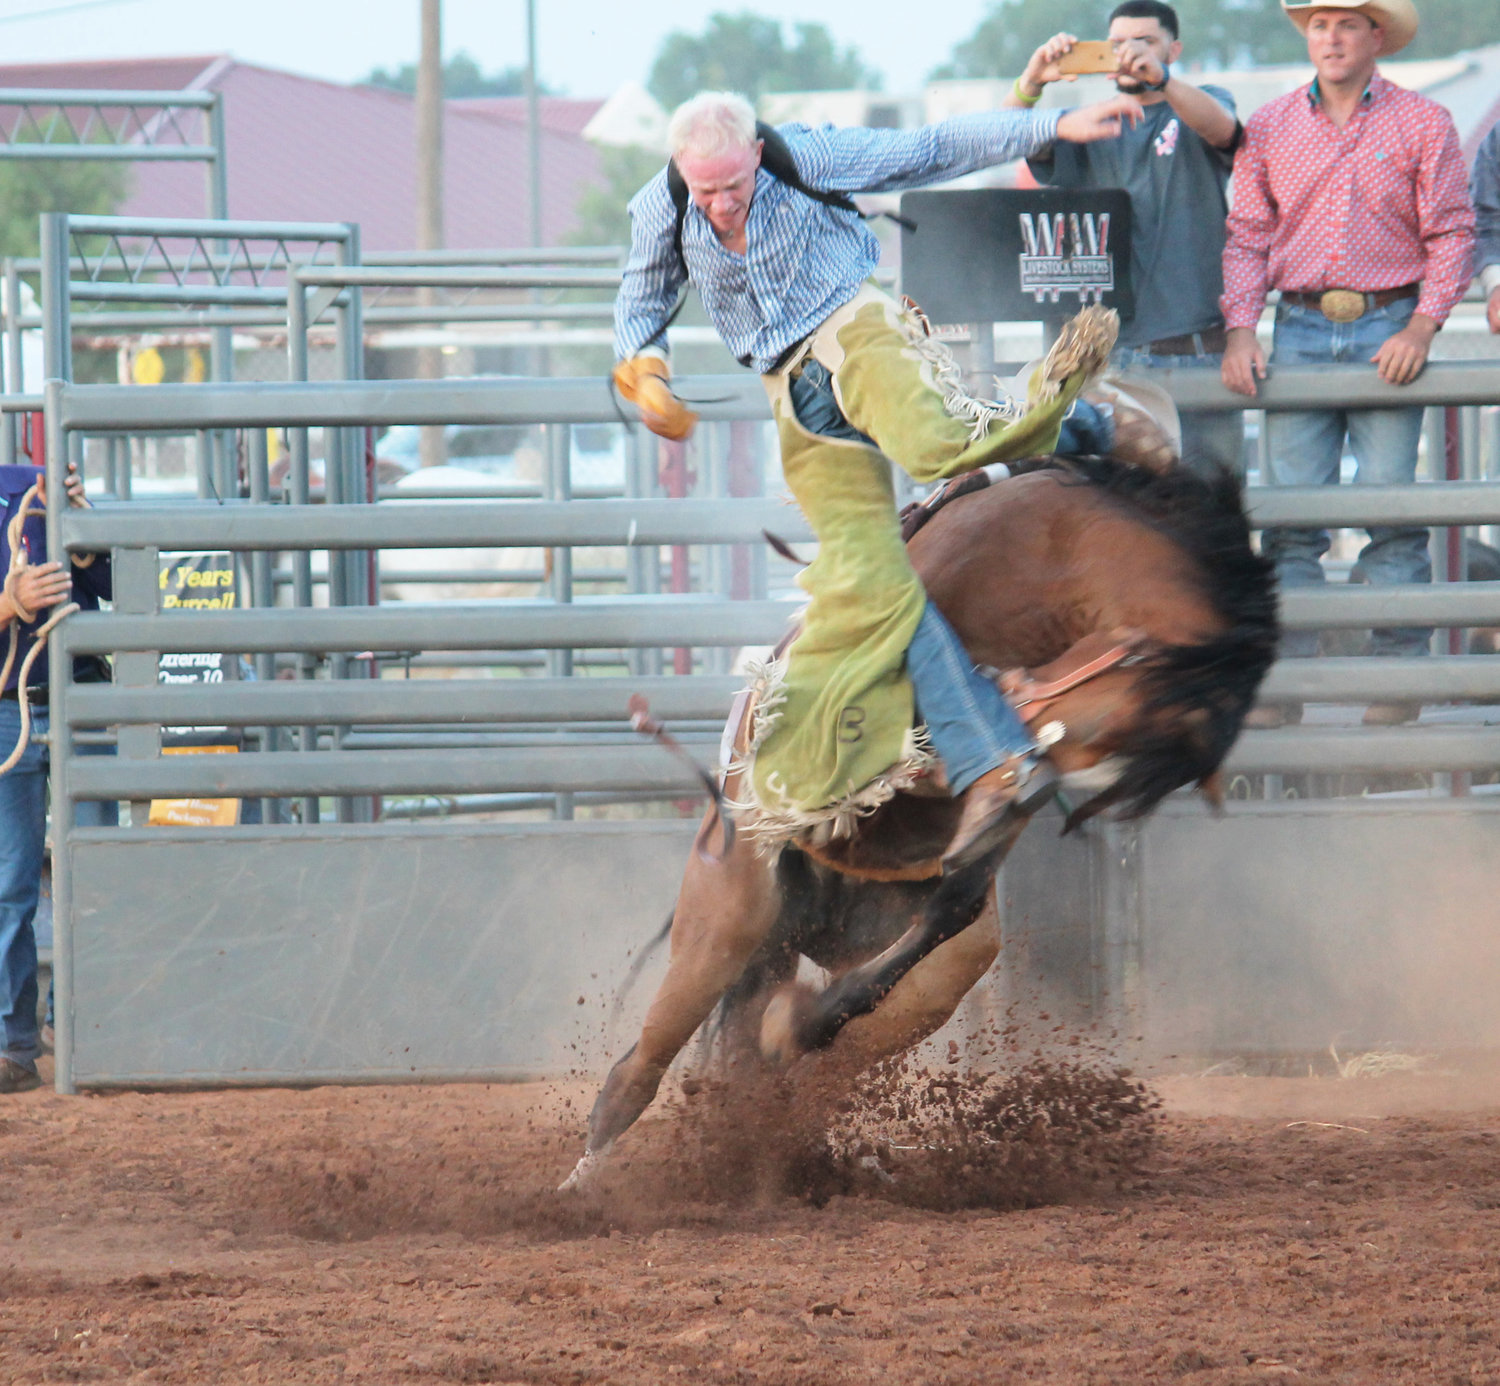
[(1305, 449), (23, 826), (973, 728), (1209, 440)]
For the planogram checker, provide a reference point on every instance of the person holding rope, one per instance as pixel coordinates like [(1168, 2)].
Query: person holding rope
[(35, 587), (762, 222)]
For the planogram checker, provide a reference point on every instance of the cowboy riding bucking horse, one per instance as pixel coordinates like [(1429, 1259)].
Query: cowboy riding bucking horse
[(876, 689)]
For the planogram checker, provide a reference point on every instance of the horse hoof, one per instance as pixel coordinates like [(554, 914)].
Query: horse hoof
[(585, 1171), (781, 1025)]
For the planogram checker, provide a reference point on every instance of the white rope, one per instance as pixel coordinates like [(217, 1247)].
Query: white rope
[(19, 562)]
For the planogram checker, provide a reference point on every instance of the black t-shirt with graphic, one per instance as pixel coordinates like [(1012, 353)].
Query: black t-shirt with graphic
[(1177, 183)]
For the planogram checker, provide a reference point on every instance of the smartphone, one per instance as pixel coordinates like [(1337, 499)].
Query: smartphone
[(1089, 55)]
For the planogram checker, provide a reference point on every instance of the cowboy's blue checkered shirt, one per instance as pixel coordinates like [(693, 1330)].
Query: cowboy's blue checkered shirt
[(805, 258)]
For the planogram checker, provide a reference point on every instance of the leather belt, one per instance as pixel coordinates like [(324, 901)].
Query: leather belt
[(1211, 341), (788, 357), (37, 697), (1348, 305)]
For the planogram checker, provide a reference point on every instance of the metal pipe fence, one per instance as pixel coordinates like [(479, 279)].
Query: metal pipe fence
[(566, 624), (557, 626), (555, 734)]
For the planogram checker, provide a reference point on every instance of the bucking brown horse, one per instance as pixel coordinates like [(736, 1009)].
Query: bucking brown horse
[(1132, 620)]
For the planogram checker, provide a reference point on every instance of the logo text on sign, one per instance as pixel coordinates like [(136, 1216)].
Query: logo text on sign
[(1066, 253)]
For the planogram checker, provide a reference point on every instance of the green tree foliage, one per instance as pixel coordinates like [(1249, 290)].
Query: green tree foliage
[(1448, 27), (749, 54), (30, 187), (600, 217), (462, 77), (1215, 33)]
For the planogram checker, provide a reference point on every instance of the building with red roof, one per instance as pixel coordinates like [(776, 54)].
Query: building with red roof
[(303, 149)]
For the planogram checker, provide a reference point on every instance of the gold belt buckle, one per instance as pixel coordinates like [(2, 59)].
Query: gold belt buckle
[(1342, 305)]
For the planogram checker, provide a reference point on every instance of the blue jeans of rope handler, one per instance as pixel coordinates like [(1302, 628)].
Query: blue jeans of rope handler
[(23, 827), (973, 728)]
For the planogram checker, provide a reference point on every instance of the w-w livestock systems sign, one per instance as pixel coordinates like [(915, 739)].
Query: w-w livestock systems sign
[(991, 255)]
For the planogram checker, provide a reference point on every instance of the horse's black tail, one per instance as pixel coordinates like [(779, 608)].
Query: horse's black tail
[(633, 972)]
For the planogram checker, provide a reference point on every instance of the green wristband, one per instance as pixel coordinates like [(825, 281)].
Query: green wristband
[(1022, 97)]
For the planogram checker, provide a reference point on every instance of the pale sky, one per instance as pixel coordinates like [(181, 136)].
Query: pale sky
[(587, 47)]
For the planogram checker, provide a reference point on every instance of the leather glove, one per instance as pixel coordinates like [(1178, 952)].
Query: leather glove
[(643, 381)]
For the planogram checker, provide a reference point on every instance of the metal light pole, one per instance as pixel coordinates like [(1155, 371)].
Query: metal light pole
[(533, 129), (430, 129), (430, 446)]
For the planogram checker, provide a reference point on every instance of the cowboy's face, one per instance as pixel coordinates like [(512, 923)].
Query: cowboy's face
[(722, 186), (1141, 36), (1343, 44)]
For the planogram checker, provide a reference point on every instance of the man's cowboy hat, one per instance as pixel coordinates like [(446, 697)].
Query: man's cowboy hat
[(1397, 18)]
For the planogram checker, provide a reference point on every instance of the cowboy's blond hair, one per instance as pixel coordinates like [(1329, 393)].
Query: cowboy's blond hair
[(710, 124)]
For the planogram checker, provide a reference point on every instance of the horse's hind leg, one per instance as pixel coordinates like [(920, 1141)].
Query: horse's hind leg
[(724, 912)]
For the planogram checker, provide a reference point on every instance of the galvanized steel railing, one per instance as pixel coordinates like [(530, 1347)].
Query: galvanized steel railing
[(642, 621)]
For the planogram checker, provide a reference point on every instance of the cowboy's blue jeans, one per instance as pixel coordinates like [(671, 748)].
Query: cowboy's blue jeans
[(1305, 449), (973, 728), (23, 826)]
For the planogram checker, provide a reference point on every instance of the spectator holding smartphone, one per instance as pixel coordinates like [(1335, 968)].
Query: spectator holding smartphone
[(1175, 165)]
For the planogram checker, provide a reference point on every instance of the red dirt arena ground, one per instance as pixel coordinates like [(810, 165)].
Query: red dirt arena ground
[(1256, 1229)]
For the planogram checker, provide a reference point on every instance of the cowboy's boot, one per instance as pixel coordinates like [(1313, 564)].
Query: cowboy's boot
[(1016, 788), (1147, 431)]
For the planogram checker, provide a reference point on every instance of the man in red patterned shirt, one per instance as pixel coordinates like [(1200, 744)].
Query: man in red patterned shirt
[(1351, 198)]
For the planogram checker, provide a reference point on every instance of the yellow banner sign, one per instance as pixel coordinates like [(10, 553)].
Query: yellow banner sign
[(195, 813)]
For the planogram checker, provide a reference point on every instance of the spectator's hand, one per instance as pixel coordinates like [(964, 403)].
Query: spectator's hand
[(1243, 361), (41, 585), (1401, 358), (1102, 121), (1494, 311), (1139, 64), (1042, 67)]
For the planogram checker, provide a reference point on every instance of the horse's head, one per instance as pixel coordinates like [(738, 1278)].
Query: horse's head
[(1162, 563), (1128, 720)]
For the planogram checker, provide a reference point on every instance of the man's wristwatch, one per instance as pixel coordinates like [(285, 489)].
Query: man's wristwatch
[(1166, 76)]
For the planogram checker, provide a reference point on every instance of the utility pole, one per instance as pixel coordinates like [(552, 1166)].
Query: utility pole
[(429, 113), (533, 129)]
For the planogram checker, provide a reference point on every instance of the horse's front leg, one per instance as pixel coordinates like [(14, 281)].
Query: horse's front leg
[(798, 1020), (724, 912), (924, 1000)]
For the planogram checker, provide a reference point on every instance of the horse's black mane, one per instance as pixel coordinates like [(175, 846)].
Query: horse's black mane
[(1205, 689)]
